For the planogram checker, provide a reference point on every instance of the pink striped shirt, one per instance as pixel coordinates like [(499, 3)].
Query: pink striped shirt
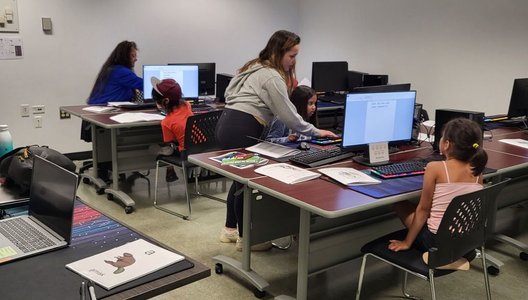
[(443, 194)]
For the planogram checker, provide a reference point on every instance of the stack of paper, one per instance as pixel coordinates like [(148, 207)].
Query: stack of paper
[(98, 109), (136, 117), (348, 176), (516, 142), (273, 150), (287, 173)]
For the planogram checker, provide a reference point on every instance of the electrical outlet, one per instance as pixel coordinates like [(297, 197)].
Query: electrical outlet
[(64, 115), (37, 121), (24, 110), (38, 109)]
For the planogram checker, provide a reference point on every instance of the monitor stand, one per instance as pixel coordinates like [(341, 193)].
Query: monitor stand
[(378, 155)]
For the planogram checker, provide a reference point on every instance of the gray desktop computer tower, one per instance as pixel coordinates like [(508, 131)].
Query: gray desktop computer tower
[(442, 116)]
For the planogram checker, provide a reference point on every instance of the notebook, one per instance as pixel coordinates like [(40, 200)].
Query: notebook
[(48, 225)]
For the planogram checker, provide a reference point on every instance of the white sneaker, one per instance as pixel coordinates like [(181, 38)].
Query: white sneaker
[(258, 247), (228, 236)]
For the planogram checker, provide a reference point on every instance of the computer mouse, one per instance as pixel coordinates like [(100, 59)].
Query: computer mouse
[(304, 146)]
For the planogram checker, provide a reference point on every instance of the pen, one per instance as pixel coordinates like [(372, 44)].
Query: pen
[(82, 290), (91, 290)]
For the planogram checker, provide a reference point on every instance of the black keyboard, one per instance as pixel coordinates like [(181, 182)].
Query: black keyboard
[(336, 98), (322, 157), (197, 107), (401, 169)]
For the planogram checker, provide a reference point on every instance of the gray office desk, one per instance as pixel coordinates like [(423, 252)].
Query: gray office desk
[(242, 176), (319, 207), (124, 144)]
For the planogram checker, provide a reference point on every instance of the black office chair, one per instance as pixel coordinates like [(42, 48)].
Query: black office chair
[(199, 138), (495, 264), (466, 225)]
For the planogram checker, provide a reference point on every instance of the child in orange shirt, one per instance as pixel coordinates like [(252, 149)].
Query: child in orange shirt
[(167, 94)]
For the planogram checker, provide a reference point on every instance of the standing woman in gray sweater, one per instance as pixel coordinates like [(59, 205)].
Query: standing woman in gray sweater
[(253, 98)]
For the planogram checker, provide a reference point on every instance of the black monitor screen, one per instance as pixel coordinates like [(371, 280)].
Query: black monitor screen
[(52, 196), (372, 79), (519, 98), (185, 75), (383, 88), (206, 77), (330, 76), (378, 117)]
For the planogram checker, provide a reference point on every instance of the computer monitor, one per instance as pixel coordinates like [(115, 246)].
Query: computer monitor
[(185, 75), (222, 81), (377, 118), (519, 99), (330, 76), (355, 79), (375, 79), (383, 88), (206, 77)]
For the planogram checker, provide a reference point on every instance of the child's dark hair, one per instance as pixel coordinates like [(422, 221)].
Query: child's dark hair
[(299, 97), (465, 138)]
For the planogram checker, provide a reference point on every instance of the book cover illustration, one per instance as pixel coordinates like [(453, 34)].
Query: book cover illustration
[(240, 160), (124, 263)]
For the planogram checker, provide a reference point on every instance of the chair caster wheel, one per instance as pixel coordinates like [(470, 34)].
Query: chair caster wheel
[(109, 196), (493, 270), (219, 269), (258, 293), (99, 191), (128, 209), (523, 256), (86, 181)]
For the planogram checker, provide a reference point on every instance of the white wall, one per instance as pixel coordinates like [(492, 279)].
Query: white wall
[(457, 54), (59, 69)]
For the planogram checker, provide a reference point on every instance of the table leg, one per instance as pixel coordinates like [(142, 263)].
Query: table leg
[(243, 268), (113, 191), (93, 176)]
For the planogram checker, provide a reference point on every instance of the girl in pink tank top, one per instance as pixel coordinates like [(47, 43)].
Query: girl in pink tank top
[(460, 173)]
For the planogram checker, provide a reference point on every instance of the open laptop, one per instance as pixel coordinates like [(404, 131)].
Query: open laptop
[(48, 225)]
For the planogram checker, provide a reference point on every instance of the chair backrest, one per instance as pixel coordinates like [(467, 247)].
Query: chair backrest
[(465, 226), (200, 133)]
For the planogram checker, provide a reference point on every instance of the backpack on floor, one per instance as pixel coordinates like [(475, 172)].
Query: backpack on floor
[(17, 165)]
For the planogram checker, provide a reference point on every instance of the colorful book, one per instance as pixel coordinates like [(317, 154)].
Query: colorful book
[(240, 160)]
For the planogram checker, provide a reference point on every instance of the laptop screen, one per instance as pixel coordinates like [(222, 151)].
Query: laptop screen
[(185, 75), (52, 195)]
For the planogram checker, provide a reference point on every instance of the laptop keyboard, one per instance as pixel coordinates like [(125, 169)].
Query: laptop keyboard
[(23, 235), (318, 158), (401, 169)]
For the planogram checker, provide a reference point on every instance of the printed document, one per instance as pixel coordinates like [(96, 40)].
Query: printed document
[(287, 173), (348, 176), (124, 263), (136, 117), (273, 150)]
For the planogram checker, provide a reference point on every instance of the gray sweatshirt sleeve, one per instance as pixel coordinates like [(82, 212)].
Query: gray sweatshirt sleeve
[(275, 96)]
